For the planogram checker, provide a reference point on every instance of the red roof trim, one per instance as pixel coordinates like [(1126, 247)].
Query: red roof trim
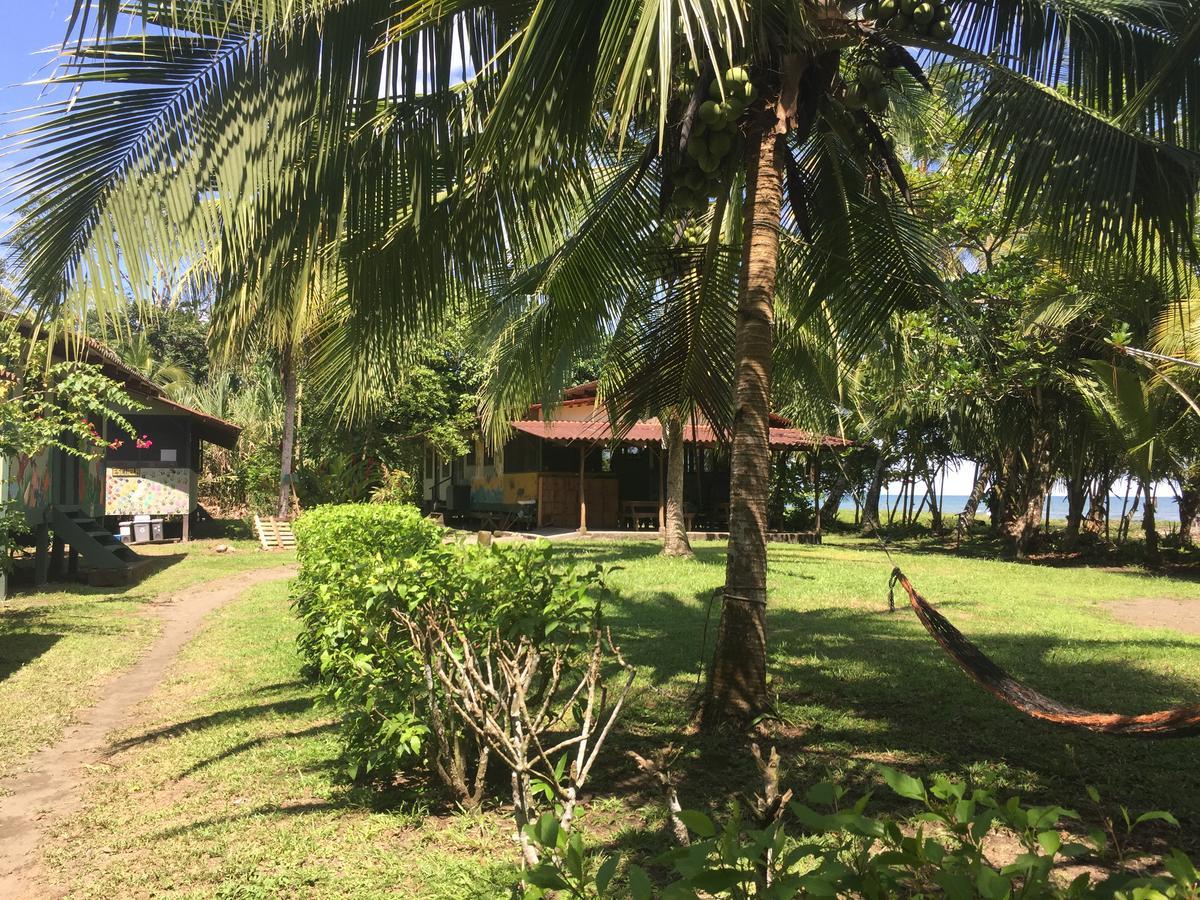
[(650, 432)]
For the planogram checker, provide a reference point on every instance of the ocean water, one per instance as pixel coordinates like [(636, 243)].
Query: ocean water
[(1166, 509)]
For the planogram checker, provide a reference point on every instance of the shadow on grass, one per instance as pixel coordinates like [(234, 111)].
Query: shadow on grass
[(858, 686), (212, 720), (254, 743), (21, 584), (19, 648)]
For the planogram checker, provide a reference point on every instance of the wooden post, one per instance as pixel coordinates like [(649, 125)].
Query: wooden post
[(73, 563), (41, 565), (582, 489), (187, 527), (56, 559), (541, 482)]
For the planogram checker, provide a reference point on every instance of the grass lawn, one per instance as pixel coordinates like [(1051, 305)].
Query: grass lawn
[(57, 646), (235, 788)]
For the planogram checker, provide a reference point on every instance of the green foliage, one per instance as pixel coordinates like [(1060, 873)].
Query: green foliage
[(830, 847), (395, 486), (359, 564)]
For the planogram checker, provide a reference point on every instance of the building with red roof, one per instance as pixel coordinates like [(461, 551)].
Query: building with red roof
[(557, 457)]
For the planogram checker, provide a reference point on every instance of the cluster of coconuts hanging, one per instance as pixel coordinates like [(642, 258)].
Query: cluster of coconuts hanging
[(866, 89), (866, 86), (713, 139), (927, 17)]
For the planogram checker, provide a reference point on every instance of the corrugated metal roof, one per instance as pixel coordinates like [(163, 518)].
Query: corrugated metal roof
[(649, 431)]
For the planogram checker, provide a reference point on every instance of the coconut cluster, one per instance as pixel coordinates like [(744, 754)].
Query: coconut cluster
[(865, 87), (713, 138), (912, 16)]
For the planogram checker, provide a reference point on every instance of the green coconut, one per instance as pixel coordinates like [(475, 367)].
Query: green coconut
[(923, 14), (694, 179), (736, 75), (941, 29), (709, 163), (697, 146), (855, 96), (715, 90), (901, 22), (870, 76), (720, 143), (877, 101), (708, 111)]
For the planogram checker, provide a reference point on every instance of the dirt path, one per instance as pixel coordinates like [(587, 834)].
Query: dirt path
[(1182, 615), (49, 788)]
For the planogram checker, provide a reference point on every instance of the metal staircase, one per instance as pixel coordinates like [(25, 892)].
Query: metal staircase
[(99, 549)]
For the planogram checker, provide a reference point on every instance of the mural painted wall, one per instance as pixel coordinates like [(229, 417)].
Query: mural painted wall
[(28, 484), (148, 491)]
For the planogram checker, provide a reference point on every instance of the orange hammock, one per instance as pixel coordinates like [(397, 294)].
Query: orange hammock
[(1167, 723)]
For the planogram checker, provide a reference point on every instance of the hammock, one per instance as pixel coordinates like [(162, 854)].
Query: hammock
[(1177, 722)]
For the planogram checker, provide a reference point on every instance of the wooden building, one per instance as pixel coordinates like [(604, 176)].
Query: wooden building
[(558, 457), (153, 472)]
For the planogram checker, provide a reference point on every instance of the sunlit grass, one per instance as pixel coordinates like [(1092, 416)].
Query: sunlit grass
[(235, 786)]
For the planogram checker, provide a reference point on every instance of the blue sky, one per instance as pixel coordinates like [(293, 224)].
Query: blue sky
[(26, 27)]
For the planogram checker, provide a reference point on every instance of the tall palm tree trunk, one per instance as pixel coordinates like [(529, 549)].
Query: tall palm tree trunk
[(288, 447), (870, 511), (966, 518), (1153, 557), (675, 538), (1189, 508), (737, 681)]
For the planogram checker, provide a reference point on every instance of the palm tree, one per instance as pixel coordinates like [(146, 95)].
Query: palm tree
[(427, 144), (136, 352)]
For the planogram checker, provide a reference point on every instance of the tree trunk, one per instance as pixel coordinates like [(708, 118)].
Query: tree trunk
[(288, 447), (870, 510), (1077, 495), (833, 502), (967, 517), (737, 680), (675, 539), (935, 507), (1024, 496), (1189, 509), (1097, 516), (1148, 525)]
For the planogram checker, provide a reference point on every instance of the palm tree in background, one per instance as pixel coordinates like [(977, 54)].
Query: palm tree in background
[(423, 148)]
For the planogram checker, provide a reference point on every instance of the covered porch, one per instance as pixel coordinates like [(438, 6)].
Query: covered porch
[(578, 475)]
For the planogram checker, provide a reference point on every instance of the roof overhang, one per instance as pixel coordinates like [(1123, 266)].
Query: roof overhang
[(649, 431)]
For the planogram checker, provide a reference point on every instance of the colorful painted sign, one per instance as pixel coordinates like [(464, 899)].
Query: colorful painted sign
[(148, 491)]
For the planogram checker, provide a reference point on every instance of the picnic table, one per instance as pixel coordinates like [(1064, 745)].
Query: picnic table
[(503, 516), (635, 512)]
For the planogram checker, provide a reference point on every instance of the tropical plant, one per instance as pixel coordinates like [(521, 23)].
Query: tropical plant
[(415, 150)]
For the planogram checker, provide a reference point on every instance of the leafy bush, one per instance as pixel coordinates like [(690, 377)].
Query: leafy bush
[(347, 555), (837, 850), (367, 574)]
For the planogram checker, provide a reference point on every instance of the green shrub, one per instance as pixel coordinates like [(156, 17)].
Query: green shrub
[(344, 553), (360, 566), (831, 847)]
